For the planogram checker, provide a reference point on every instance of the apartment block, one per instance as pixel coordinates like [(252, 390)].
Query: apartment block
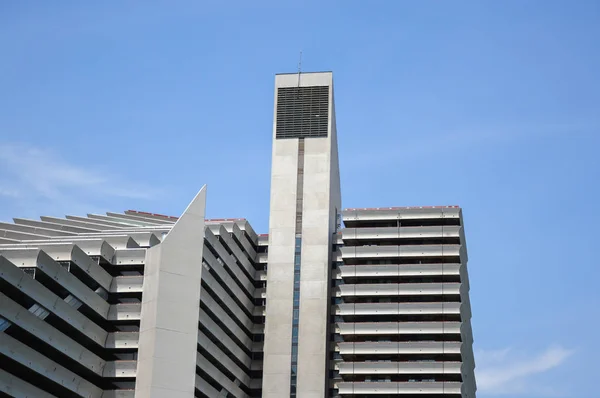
[(402, 309), (90, 308)]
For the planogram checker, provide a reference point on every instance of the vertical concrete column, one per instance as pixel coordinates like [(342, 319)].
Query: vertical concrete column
[(280, 271), (170, 309), (315, 280), (321, 200)]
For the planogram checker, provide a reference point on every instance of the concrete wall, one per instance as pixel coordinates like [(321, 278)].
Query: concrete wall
[(280, 270), (315, 280), (170, 306)]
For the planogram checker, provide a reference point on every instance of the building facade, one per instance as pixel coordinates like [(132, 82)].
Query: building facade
[(135, 304), (402, 309)]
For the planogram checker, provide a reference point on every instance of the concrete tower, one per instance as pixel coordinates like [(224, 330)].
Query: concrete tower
[(305, 203)]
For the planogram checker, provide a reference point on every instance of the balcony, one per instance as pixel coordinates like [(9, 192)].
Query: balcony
[(382, 387), (401, 213), (394, 347), (117, 369), (393, 270), (125, 312), (393, 328), (389, 233), (122, 340), (389, 367), (397, 289), (127, 284), (397, 309), (411, 251)]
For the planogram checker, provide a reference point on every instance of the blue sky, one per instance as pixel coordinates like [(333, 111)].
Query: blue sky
[(494, 106)]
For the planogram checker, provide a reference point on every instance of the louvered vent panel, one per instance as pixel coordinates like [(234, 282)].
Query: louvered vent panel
[(302, 112)]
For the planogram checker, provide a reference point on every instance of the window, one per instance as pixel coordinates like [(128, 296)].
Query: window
[(295, 315)]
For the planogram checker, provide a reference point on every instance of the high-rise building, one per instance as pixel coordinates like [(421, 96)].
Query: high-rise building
[(143, 305), (402, 312)]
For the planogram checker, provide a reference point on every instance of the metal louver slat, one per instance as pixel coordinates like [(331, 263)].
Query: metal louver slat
[(302, 112)]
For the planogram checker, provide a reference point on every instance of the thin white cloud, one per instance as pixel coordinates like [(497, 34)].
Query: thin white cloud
[(42, 174), (6, 191), (487, 357), (502, 372)]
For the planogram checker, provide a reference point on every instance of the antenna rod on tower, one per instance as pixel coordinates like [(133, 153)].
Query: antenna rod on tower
[(299, 67)]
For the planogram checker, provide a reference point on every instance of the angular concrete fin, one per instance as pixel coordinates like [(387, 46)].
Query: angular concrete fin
[(195, 209), (168, 335)]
